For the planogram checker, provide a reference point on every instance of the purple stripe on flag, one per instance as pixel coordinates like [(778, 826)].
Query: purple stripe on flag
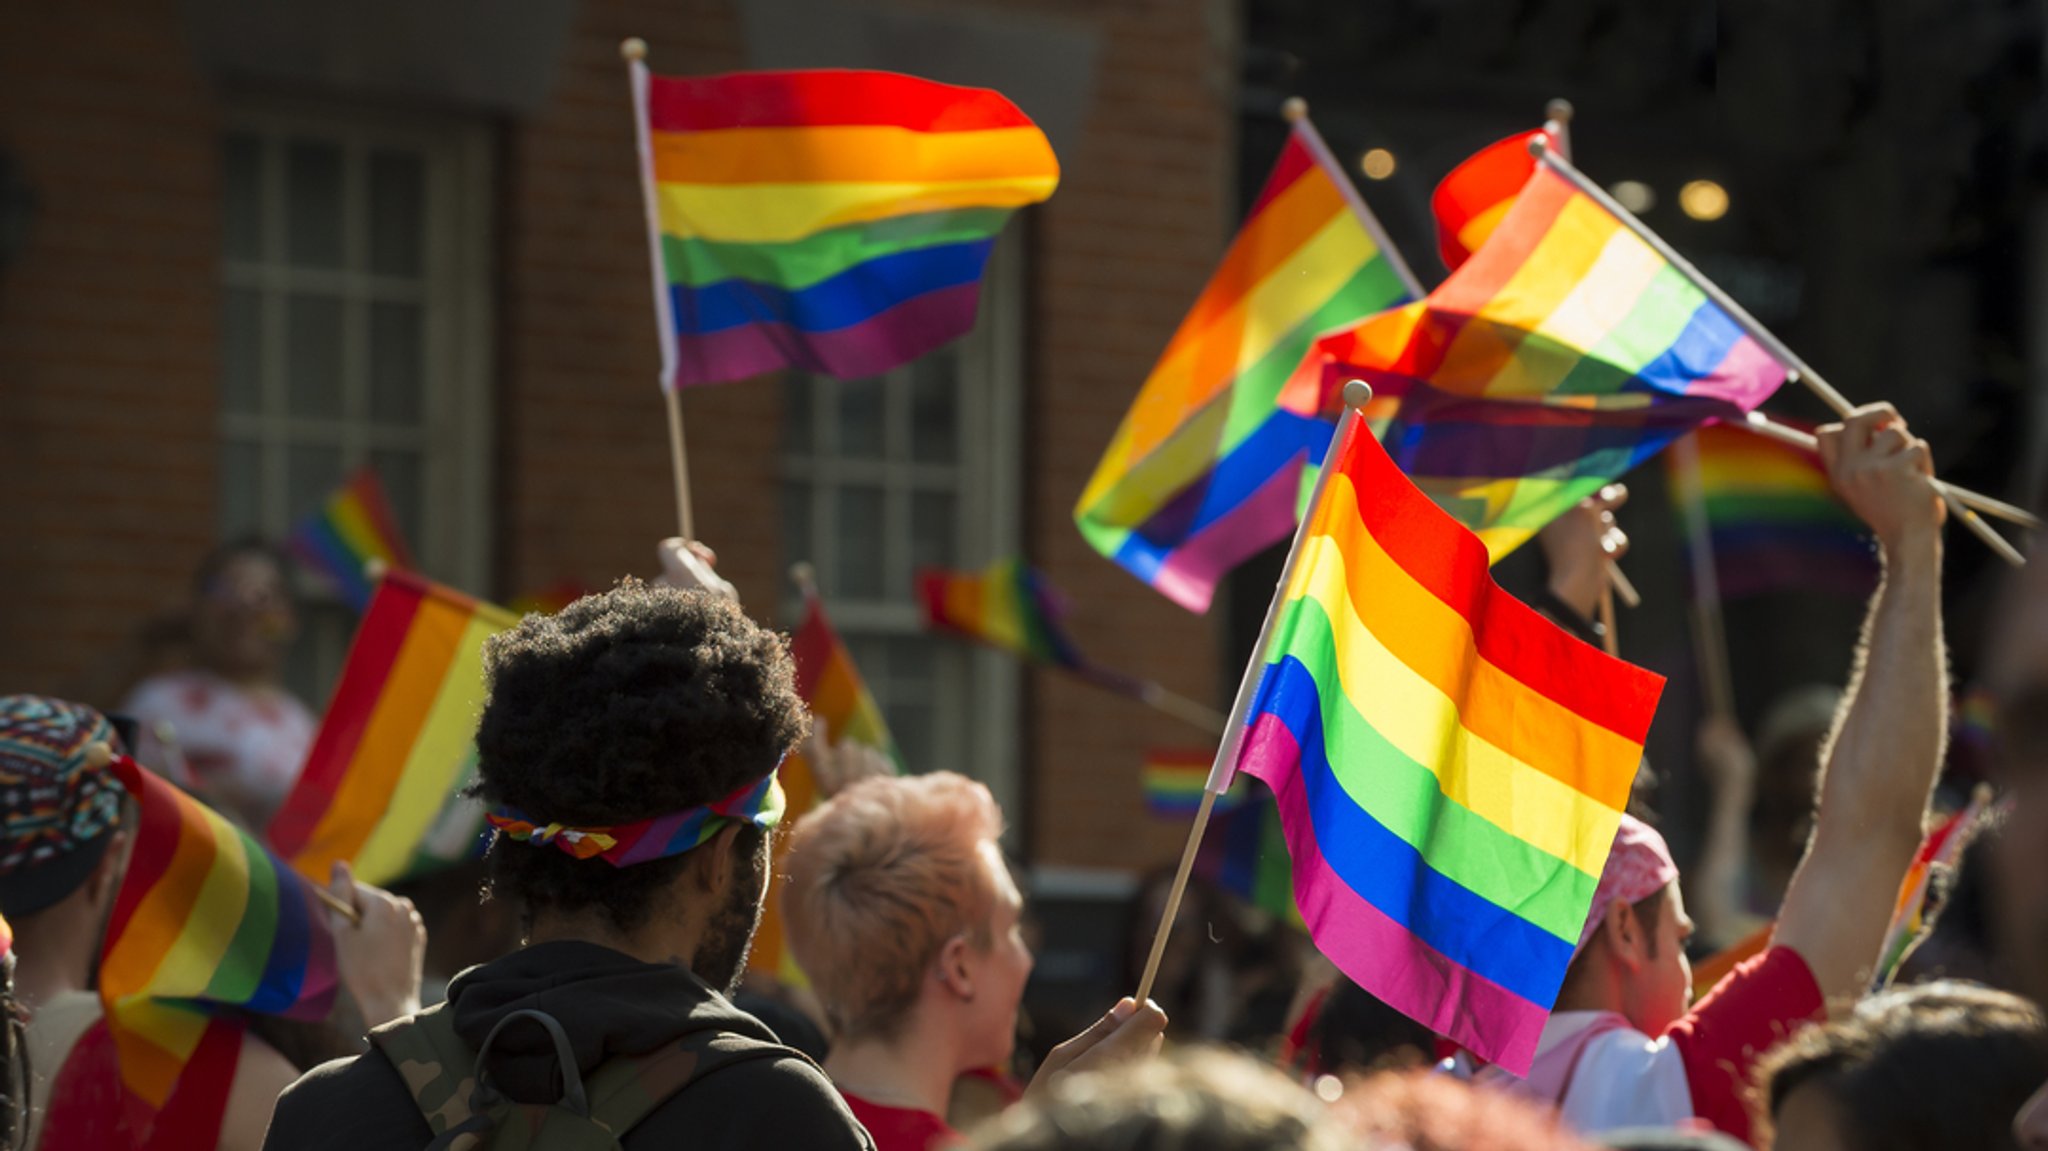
[(1377, 953), (871, 347), (1187, 574), (1745, 377)]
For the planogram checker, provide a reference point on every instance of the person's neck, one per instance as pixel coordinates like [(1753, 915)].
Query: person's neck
[(914, 1068), (1594, 990), (57, 956), (662, 940)]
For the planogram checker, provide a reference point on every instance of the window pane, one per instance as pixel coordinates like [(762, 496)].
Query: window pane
[(398, 201), (311, 474), (931, 530), (242, 198), (241, 383), (313, 355), (858, 536), (935, 409), (312, 176), (241, 486), (399, 472), (397, 369), (797, 389), (797, 545), (860, 418), (913, 665)]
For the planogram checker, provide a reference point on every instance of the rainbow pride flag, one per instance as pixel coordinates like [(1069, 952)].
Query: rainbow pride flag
[(1174, 777), (205, 920), (1449, 766), (1564, 352), (832, 221), (1941, 847), (1773, 521), (397, 742), (1206, 469), (1007, 605), (354, 527), (1474, 198), (840, 703)]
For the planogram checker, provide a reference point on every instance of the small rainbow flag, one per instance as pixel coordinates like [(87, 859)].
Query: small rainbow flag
[(397, 742), (1564, 352), (840, 703), (833, 221), (1941, 848), (1475, 197), (1174, 778), (1449, 766), (205, 920), (1206, 469), (352, 528), (1007, 605), (1773, 522)]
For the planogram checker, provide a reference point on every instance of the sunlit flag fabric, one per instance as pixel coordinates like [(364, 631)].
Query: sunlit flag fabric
[(205, 920), (1450, 767), (398, 740), (833, 221), (1773, 521), (1474, 198), (846, 712), (354, 527), (1011, 606), (1563, 353), (1205, 470)]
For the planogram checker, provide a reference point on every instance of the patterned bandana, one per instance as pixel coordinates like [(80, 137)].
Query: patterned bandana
[(758, 803), (53, 797), (1639, 866)]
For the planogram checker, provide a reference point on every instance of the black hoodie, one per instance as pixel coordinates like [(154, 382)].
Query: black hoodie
[(609, 1004)]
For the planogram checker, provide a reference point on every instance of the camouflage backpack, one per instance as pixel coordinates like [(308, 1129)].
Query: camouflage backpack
[(467, 1113)]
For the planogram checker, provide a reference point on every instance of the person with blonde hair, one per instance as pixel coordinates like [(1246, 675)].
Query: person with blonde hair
[(901, 911)]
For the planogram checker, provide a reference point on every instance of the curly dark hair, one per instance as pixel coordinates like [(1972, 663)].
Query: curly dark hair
[(630, 704)]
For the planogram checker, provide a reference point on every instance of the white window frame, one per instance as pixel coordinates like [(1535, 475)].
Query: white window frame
[(988, 515), (457, 426)]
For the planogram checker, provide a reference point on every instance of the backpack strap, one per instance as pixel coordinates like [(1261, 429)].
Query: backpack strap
[(438, 1068), (628, 1088)]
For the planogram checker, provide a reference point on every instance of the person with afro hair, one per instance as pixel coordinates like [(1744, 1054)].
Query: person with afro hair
[(627, 758)]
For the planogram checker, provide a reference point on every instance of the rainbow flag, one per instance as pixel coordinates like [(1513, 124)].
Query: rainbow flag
[(1174, 778), (840, 703), (397, 742), (1773, 522), (1450, 767), (832, 221), (1008, 605), (1564, 352), (352, 528), (205, 920), (1475, 197), (1245, 853), (1206, 469), (1941, 847)]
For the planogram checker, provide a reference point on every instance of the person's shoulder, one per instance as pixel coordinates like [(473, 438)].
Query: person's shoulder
[(777, 1095), (357, 1101)]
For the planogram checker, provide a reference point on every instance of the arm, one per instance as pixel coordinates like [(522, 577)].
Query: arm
[(1579, 545), (261, 1075), (1879, 763), (1729, 766)]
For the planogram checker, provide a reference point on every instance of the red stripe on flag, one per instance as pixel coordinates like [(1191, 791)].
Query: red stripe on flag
[(823, 98), (1294, 160)]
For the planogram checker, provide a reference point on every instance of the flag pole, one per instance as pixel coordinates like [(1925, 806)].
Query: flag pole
[(1795, 366), (1357, 394), (634, 51), (1160, 698), (1557, 124), (1710, 634), (1295, 111)]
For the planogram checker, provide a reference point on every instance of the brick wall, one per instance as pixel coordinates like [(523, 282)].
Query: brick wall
[(108, 356)]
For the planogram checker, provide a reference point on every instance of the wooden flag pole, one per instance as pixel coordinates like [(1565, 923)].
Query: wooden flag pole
[(1609, 638), (679, 462), (1795, 366), (1710, 635), (1357, 394), (634, 52), (1162, 699)]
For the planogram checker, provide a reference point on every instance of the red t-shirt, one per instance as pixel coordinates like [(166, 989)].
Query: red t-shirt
[(1751, 1010), (902, 1128)]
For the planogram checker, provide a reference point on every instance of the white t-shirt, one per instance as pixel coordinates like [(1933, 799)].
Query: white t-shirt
[(257, 737)]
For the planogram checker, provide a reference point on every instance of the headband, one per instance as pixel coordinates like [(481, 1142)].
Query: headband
[(759, 803)]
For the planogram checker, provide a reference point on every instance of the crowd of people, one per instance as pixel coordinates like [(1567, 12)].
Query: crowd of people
[(583, 999)]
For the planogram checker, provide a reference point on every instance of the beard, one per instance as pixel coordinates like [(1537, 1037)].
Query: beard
[(721, 959)]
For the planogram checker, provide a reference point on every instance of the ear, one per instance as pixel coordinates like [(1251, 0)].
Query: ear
[(716, 865), (1624, 935), (105, 879), (955, 968)]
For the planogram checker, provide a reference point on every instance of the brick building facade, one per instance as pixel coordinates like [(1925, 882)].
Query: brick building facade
[(161, 331)]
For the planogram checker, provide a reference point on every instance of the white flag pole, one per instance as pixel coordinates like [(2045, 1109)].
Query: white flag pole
[(634, 51)]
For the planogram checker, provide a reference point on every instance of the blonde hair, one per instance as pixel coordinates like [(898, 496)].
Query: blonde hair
[(880, 878)]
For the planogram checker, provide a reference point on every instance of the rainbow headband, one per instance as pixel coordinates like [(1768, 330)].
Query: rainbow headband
[(758, 803)]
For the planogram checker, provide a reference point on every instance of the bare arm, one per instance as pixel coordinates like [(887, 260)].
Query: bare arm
[(261, 1075), (1880, 760)]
